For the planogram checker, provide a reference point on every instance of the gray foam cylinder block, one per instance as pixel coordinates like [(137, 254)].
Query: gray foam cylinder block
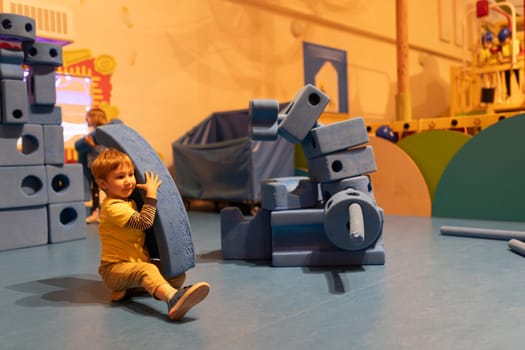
[(23, 227), (475, 232), (517, 246), (335, 137), (171, 227), (66, 221), (23, 186), (31, 139)]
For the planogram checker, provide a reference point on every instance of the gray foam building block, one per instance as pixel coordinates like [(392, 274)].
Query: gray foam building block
[(42, 53), (294, 192), (302, 113), (171, 227), (53, 144), (22, 186), (11, 71), (360, 183), (298, 239), (12, 56), (517, 246), (335, 137), (264, 116), (17, 27), (21, 144), (45, 114), (338, 219), (13, 98), (475, 232), (340, 165), (65, 183), (66, 221), (23, 227), (41, 85), (245, 239)]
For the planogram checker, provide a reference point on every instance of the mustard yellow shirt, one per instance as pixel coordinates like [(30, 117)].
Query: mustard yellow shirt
[(120, 243)]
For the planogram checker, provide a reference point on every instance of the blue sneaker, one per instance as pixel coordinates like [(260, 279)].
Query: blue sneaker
[(186, 298)]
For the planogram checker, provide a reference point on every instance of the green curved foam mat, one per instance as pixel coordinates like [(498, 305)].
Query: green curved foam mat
[(484, 180), (432, 152)]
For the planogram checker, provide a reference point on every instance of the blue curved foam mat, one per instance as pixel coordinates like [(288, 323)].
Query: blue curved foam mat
[(484, 180), (172, 227)]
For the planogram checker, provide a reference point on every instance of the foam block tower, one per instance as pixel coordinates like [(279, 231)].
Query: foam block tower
[(42, 200), (328, 218)]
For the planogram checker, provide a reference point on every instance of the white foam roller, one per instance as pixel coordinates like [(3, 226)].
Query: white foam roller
[(475, 232), (517, 246)]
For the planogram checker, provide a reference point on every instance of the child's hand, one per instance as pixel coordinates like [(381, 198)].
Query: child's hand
[(151, 185)]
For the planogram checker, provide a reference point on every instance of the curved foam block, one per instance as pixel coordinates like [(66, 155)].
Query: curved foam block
[(360, 183), (17, 27), (484, 180), (171, 227)]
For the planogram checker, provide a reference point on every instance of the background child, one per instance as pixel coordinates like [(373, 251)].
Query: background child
[(125, 261)]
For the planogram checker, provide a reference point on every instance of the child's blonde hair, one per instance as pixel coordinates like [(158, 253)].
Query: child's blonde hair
[(98, 116), (108, 161)]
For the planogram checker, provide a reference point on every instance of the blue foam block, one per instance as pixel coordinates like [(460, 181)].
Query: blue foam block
[(12, 56), (17, 27), (42, 53), (13, 98), (11, 71), (302, 113), (360, 183), (335, 137), (53, 144), (41, 85), (23, 227), (245, 239), (343, 164), (65, 183), (298, 239), (289, 193), (66, 221), (45, 114), (22, 186), (32, 144), (171, 226)]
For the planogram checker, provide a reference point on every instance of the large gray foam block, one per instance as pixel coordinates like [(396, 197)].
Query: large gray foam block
[(65, 183), (22, 186), (335, 137), (293, 192), (53, 144), (171, 227), (66, 221), (475, 232), (245, 238), (17, 27), (302, 113), (32, 144), (23, 227), (340, 165)]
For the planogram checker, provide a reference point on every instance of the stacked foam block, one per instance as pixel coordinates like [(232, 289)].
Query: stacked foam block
[(42, 198), (327, 218)]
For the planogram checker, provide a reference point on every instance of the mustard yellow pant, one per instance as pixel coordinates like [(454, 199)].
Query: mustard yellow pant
[(119, 276)]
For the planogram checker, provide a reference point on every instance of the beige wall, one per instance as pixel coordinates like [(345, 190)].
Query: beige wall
[(179, 60)]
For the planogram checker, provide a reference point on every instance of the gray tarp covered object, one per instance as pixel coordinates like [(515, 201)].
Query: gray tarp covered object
[(217, 160)]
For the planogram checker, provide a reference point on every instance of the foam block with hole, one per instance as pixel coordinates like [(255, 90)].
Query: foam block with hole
[(171, 227), (65, 183), (42, 53), (340, 165), (23, 227), (335, 137), (360, 183), (17, 27), (66, 221), (53, 144), (13, 100), (22, 186), (31, 149), (302, 113), (41, 85), (294, 192), (245, 239), (298, 239), (45, 114)]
